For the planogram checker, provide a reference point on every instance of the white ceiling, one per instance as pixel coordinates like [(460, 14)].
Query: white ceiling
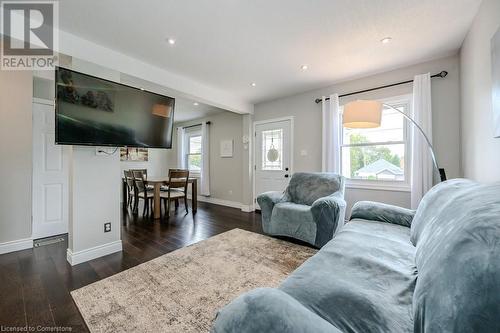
[(185, 109), (227, 44)]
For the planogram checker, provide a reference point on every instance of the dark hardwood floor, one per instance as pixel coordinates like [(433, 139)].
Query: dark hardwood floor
[(35, 284)]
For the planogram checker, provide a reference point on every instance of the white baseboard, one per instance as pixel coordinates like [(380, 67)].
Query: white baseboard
[(75, 258), (17, 245), (221, 202), (247, 208), (226, 203)]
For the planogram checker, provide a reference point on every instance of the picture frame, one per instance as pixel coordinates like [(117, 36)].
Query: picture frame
[(226, 148), (134, 154)]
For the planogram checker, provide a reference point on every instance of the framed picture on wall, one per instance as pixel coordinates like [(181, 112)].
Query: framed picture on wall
[(134, 154), (495, 77), (226, 148)]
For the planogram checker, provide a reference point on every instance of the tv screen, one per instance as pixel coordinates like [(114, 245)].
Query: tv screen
[(97, 112)]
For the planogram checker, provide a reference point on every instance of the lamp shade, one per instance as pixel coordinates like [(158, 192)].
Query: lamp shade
[(362, 114)]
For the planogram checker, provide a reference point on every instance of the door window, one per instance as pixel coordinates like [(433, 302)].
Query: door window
[(272, 150)]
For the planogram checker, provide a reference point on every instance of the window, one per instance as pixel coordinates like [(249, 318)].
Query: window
[(272, 150), (193, 156), (379, 157)]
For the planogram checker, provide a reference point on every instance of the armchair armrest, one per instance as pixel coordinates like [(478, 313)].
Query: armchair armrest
[(376, 211), (329, 215), (269, 310), (266, 202)]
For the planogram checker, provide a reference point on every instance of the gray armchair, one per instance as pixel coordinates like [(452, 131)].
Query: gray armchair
[(312, 208)]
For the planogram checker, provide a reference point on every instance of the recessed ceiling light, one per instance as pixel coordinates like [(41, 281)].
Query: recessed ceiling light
[(304, 67), (196, 104), (253, 84), (142, 88), (386, 40), (171, 41)]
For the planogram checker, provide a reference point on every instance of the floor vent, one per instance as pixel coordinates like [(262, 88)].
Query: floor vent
[(48, 241)]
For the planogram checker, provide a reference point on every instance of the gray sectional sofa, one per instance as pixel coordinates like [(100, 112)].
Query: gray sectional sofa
[(392, 270)]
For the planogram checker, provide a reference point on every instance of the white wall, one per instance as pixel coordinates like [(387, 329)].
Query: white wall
[(446, 120), (480, 151), (226, 174), (95, 200), (16, 97)]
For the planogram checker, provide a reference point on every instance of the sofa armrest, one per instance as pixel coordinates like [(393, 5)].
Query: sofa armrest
[(376, 211), (269, 310), (266, 202), (329, 215)]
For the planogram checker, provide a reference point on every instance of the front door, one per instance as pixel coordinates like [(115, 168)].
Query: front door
[(272, 156), (50, 175)]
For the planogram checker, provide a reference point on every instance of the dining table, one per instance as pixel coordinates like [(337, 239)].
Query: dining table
[(158, 182)]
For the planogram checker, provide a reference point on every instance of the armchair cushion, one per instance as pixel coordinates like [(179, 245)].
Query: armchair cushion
[(305, 188), (376, 211), (291, 219)]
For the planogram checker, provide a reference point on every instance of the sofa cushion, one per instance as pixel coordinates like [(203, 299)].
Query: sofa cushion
[(362, 280), (293, 220), (305, 188), (269, 310), (432, 205), (458, 259)]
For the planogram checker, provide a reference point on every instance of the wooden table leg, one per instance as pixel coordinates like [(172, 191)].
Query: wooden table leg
[(157, 201), (194, 195)]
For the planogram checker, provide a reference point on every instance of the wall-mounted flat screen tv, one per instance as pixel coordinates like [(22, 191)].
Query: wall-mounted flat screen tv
[(97, 112)]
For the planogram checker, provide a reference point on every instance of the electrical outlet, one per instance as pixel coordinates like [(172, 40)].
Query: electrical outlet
[(107, 227)]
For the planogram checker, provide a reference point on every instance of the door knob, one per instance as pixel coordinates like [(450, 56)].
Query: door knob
[(286, 169), (286, 176)]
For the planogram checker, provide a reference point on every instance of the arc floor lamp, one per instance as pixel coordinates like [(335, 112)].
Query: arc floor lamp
[(368, 114)]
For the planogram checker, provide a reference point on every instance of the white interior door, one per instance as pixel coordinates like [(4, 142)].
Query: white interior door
[(50, 175), (273, 150)]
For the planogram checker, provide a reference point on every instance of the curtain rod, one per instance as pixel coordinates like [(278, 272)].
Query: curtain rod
[(442, 74), (208, 123)]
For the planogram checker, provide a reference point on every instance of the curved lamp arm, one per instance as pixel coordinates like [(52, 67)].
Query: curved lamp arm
[(431, 148)]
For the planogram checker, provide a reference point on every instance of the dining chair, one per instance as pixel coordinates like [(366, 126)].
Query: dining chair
[(142, 192), (164, 188), (131, 189), (143, 171), (177, 188), (145, 176)]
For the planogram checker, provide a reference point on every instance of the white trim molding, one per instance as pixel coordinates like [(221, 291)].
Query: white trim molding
[(75, 258), (221, 202), (17, 245), (247, 208), (43, 101), (227, 203)]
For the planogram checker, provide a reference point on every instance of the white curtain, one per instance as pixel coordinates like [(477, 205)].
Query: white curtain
[(181, 148), (422, 167), (205, 160), (331, 134)]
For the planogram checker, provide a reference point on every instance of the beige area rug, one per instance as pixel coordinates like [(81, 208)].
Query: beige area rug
[(181, 291)]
